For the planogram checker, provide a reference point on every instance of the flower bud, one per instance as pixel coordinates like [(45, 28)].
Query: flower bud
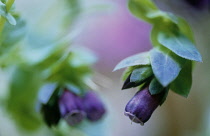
[(51, 114), (94, 107), (71, 108), (140, 108)]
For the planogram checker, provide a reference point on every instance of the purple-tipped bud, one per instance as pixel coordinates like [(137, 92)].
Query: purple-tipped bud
[(140, 108), (94, 107), (71, 108)]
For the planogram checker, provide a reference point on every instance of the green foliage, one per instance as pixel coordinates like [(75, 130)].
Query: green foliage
[(127, 72), (138, 59), (164, 67), (37, 60), (4, 13), (141, 74), (180, 45), (171, 59), (182, 84), (166, 90), (23, 88), (155, 87), (143, 9), (11, 35)]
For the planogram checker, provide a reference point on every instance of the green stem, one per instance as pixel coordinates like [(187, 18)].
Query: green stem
[(2, 19)]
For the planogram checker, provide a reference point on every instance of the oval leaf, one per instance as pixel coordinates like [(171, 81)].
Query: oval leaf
[(180, 45), (165, 68), (182, 84), (140, 74), (138, 59), (137, 77), (155, 87)]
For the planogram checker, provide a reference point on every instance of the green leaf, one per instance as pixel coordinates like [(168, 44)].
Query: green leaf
[(12, 34), (185, 29), (180, 45), (182, 84), (143, 9), (6, 15), (155, 87), (127, 72), (140, 74), (164, 67), (138, 59), (162, 26), (165, 91), (22, 97), (138, 77)]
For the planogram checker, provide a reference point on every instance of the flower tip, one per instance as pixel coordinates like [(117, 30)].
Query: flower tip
[(133, 118), (75, 117)]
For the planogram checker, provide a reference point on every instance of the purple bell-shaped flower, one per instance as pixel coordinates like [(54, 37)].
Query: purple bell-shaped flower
[(71, 108), (93, 106), (140, 108)]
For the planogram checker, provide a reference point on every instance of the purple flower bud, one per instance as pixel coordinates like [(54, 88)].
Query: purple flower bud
[(140, 108), (94, 107), (71, 108)]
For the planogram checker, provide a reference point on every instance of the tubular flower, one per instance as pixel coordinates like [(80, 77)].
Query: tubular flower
[(93, 106), (140, 108), (71, 108)]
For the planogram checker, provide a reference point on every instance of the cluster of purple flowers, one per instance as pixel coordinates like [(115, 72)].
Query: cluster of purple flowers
[(72, 108)]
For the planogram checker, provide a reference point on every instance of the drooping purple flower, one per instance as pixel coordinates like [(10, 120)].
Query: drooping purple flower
[(94, 107), (71, 108), (140, 108)]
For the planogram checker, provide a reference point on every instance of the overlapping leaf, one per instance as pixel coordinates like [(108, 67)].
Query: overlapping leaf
[(138, 59), (182, 84), (180, 45), (155, 87), (165, 68)]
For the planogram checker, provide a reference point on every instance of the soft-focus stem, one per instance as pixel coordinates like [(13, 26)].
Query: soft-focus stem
[(2, 19)]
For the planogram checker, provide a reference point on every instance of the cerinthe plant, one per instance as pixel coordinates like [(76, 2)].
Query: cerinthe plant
[(168, 66), (62, 74)]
